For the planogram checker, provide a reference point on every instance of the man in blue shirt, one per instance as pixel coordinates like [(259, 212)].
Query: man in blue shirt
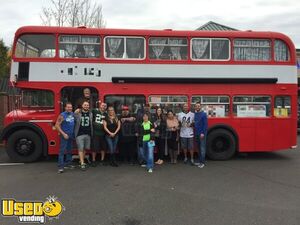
[(65, 125), (200, 132)]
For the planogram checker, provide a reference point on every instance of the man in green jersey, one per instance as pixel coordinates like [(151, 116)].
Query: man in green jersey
[(99, 142)]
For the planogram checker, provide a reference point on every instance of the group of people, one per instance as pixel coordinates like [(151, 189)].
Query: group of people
[(135, 137)]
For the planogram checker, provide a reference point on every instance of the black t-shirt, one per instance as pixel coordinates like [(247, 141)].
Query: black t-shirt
[(128, 130), (112, 125), (85, 124)]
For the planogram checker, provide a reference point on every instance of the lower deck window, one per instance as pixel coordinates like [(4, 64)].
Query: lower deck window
[(214, 106), (168, 102), (37, 98), (282, 106), (251, 106), (134, 102)]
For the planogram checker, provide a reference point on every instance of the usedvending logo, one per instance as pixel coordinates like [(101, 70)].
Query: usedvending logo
[(32, 211)]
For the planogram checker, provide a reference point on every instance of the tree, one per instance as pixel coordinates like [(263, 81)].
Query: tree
[(4, 59), (73, 13)]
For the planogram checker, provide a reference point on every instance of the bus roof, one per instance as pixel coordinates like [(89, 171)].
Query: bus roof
[(146, 32)]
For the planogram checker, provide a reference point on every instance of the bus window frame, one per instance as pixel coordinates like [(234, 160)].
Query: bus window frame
[(160, 95), (167, 45), (35, 58), (212, 103), (234, 114), (78, 58), (124, 37), (124, 95), (210, 48), (50, 108)]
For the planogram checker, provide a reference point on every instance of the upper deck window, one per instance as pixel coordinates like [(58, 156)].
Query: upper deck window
[(210, 49), (252, 50), (35, 46), (168, 48), (117, 47), (79, 46), (281, 51)]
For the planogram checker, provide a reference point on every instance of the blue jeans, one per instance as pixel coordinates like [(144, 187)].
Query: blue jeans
[(201, 143), (148, 152), (65, 147), (112, 143)]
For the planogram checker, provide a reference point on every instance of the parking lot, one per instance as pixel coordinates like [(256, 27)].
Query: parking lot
[(257, 188)]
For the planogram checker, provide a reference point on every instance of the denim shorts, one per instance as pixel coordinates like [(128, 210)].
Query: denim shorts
[(187, 143), (83, 142)]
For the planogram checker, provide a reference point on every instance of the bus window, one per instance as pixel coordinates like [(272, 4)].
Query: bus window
[(79, 46), (75, 95), (117, 47), (134, 102), (35, 46), (168, 102), (252, 50), (281, 51), (210, 49), (282, 106), (251, 106), (37, 98), (168, 48), (214, 106)]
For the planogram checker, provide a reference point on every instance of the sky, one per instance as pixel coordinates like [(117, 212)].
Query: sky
[(261, 15)]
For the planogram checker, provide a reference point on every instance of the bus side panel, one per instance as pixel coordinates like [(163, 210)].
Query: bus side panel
[(282, 138), (264, 134)]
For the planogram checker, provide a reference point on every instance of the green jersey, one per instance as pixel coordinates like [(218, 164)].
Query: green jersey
[(98, 118), (147, 127)]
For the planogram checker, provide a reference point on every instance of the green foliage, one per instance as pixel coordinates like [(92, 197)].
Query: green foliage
[(4, 60)]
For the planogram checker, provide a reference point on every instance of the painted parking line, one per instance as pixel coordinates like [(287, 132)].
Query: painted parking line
[(11, 164)]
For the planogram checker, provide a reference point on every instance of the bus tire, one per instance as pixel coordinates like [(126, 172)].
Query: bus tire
[(24, 146), (221, 144)]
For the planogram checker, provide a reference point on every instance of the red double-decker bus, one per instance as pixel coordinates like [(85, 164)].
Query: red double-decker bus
[(246, 81)]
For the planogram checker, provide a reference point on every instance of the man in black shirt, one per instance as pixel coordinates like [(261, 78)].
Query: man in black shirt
[(127, 137), (83, 131)]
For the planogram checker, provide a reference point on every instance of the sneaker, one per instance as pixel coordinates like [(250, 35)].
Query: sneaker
[(150, 171), (70, 167), (94, 164), (61, 170), (143, 165), (83, 167), (201, 165), (185, 160), (192, 162)]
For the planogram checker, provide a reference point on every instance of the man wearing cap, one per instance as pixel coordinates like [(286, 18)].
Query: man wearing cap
[(127, 141)]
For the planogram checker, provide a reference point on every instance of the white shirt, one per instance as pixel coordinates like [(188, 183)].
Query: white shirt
[(186, 119)]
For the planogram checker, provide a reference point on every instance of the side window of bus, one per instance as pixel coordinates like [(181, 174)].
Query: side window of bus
[(35, 46), (79, 46), (252, 49), (210, 49), (168, 102), (168, 48), (134, 102), (76, 95), (37, 98), (282, 106), (252, 106), (117, 47), (281, 51), (214, 106)]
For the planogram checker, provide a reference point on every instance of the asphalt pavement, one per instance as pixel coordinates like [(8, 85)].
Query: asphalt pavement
[(256, 188)]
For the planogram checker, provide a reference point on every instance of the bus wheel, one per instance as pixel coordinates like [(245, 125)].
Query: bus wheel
[(221, 144), (24, 146)]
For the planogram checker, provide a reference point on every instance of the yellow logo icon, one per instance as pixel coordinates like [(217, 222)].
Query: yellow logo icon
[(32, 211)]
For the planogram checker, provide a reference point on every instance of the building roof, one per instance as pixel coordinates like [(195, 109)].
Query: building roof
[(213, 26)]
